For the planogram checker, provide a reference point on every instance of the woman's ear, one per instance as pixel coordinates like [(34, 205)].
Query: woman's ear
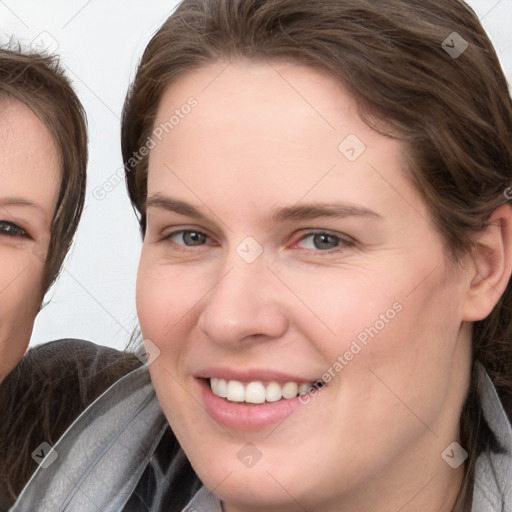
[(492, 265)]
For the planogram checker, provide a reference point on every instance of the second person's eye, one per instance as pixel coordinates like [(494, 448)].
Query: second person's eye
[(321, 241), (190, 238)]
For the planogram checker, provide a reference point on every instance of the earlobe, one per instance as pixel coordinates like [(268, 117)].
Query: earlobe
[(492, 265)]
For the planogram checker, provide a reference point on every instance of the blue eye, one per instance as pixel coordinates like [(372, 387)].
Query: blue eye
[(11, 229), (321, 242), (189, 238)]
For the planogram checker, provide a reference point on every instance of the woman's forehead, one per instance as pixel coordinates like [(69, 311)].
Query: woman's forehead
[(290, 132), (29, 163)]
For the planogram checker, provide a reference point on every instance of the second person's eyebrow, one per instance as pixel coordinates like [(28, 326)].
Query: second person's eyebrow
[(173, 205), (316, 210)]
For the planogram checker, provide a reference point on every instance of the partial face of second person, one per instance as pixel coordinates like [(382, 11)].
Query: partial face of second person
[(29, 185), (275, 254)]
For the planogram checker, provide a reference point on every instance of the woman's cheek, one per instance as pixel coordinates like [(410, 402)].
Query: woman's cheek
[(348, 305), (20, 299), (158, 302), (149, 303), (20, 283)]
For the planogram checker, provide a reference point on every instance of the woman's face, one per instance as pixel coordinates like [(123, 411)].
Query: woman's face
[(29, 185), (285, 245)]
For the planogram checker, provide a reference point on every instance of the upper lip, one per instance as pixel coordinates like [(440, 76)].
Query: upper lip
[(251, 375)]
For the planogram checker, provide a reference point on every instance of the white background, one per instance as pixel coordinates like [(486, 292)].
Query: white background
[(100, 43)]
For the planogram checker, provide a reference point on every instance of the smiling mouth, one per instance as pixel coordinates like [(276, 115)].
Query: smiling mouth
[(256, 392)]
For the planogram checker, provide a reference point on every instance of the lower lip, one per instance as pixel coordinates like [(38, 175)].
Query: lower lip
[(243, 416)]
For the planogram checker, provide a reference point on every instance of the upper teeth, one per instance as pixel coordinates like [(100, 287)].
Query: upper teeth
[(256, 392)]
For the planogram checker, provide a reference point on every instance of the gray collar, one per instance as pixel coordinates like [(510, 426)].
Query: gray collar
[(204, 501), (493, 472)]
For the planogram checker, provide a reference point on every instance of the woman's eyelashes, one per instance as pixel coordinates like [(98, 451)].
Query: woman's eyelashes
[(11, 229)]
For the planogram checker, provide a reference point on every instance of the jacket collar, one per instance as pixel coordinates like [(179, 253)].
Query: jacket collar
[(492, 491)]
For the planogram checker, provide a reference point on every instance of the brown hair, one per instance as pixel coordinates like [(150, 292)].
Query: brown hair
[(453, 112), (39, 82)]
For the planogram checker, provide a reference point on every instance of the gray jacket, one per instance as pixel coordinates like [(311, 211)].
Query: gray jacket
[(104, 460)]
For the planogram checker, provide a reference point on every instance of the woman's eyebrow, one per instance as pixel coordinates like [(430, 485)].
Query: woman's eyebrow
[(20, 201), (173, 205), (316, 210)]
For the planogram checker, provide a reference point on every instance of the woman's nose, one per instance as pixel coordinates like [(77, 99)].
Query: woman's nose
[(246, 304)]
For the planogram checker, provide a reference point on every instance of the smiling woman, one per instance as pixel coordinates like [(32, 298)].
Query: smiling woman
[(338, 191), (43, 160), (29, 176)]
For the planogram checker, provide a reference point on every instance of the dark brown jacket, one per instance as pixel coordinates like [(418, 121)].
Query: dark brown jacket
[(43, 395)]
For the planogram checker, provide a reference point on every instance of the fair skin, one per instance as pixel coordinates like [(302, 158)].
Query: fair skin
[(259, 158), (29, 185)]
